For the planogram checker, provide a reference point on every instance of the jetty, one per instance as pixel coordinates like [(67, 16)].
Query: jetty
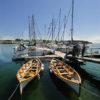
[(96, 60), (59, 54), (42, 57)]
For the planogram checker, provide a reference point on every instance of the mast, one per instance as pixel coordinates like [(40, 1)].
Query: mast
[(33, 29), (29, 29), (59, 24), (52, 30), (72, 21), (62, 38)]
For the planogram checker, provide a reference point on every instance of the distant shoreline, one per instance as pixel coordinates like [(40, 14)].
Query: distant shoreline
[(18, 41)]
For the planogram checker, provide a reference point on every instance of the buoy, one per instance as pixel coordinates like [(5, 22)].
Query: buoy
[(50, 71), (42, 67)]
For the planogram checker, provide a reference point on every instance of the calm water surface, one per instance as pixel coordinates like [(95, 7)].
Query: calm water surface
[(47, 87)]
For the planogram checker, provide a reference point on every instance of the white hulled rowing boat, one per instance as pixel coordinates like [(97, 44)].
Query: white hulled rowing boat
[(66, 73), (29, 71)]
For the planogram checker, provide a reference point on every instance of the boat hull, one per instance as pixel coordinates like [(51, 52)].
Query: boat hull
[(24, 84), (72, 85), (29, 71)]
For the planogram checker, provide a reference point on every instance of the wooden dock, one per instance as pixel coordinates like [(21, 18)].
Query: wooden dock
[(96, 60), (60, 54), (42, 57)]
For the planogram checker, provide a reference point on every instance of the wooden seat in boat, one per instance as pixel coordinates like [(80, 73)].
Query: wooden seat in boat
[(60, 67), (62, 71), (65, 75)]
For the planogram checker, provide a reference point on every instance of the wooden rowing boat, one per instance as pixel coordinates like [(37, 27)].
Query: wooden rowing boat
[(29, 71), (66, 73)]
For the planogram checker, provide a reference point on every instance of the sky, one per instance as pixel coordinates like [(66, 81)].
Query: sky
[(14, 17)]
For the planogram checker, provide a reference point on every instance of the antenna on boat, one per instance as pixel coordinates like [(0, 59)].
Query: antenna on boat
[(72, 21)]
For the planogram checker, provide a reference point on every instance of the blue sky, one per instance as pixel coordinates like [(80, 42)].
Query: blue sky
[(14, 17)]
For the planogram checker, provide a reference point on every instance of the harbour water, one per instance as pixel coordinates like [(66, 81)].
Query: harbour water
[(94, 48), (47, 87)]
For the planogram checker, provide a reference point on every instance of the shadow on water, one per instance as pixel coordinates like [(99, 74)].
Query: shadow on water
[(9, 89), (8, 80), (83, 73), (64, 88), (49, 90), (48, 87), (27, 92), (90, 88)]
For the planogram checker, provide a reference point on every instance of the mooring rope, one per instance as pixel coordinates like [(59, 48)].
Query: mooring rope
[(13, 92), (97, 95)]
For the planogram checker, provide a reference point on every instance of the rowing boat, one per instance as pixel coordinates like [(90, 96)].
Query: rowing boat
[(66, 73), (29, 71)]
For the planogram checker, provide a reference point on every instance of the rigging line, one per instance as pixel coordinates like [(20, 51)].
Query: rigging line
[(13, 92), (32, 28), (48, 33), (66, 22), (38, 33), (54, 26), (72, 16), (62, 36), (59, 26), (53, 30), (58, 19), (48, 29), (29, 27), (57, 34), (44, 32)]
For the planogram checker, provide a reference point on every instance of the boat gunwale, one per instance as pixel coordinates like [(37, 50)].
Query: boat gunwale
[(38, 71), (79, 79)]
